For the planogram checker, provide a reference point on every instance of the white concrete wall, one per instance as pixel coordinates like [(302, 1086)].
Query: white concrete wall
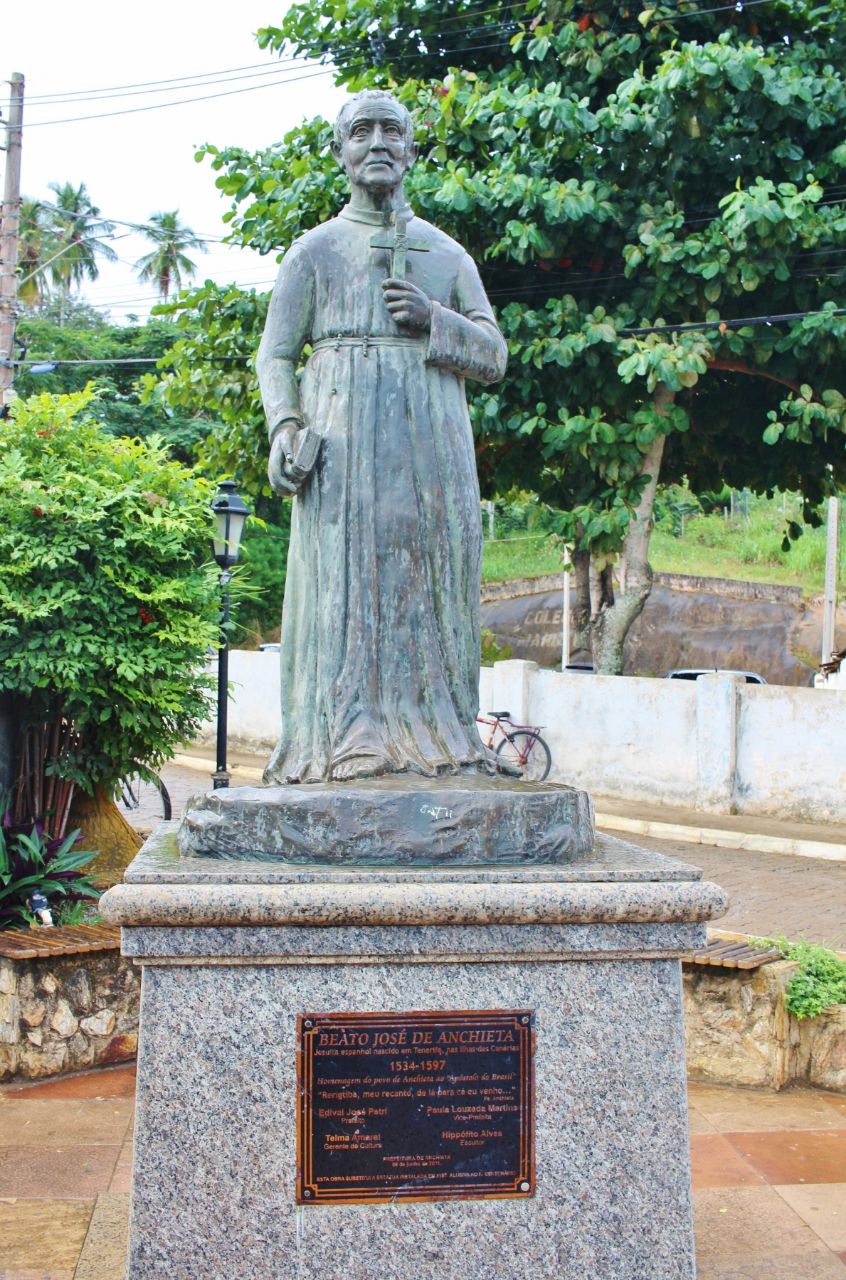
[(837, 680), (254, 719), (791, 751), (597, 727), (715, 744)]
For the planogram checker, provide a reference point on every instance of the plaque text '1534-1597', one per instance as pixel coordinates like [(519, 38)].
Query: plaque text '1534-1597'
[(415, 1106)]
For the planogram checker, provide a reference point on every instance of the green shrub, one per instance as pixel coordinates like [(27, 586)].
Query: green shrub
[(108, 599), (264, 553), (819, 981), (69, 914), (34, 863)]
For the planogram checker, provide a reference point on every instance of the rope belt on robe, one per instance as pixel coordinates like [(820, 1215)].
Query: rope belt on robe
[(378, 340)]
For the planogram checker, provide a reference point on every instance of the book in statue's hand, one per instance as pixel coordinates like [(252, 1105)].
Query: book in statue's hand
[(306, 448)]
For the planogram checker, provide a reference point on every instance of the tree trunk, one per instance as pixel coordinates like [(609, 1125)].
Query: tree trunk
[(612, 613), (581, 605), (104, 828)]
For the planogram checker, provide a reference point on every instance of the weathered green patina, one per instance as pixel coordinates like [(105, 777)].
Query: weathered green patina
[(380, 626)]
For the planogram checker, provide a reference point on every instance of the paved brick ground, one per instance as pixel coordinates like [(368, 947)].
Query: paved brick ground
[(769, 1177), (771, 893)]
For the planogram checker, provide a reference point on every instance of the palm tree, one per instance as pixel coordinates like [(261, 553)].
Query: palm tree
[(36, 246), (168, 262), (80, 233)]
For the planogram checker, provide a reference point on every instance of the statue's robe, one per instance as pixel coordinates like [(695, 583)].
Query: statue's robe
[(380, 624)]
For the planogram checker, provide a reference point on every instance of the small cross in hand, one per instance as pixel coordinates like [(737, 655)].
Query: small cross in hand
[(408, 304), (398, 244)]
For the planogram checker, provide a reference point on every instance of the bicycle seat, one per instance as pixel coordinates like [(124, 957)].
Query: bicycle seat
[(500, 715)]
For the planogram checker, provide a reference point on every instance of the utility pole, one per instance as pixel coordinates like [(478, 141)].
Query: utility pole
[(565, 610), (9, 223), (830, 597)]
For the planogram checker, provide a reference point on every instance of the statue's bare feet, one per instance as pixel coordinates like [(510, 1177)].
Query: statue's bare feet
[(359, 767)]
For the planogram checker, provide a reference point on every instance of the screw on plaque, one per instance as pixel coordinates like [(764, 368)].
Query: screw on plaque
[(308, 1023), (525, 1018), (306, 1193), (525, 1186)]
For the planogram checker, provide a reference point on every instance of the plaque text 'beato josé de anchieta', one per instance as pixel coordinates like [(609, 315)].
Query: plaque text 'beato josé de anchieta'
[(415, 1106)]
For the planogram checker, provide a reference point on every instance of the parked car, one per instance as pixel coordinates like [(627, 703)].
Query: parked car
[(693, 673)]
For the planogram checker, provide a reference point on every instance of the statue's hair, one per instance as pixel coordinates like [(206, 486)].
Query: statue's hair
[(370, 95)]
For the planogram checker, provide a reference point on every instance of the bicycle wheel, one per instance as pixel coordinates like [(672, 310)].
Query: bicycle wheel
[(144, 797), (526, 752)]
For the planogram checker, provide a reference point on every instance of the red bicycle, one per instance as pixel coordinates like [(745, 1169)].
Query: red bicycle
[(520, 749)]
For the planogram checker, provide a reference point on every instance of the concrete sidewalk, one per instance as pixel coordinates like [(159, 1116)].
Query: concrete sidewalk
[(724, 830), (769, 1177)]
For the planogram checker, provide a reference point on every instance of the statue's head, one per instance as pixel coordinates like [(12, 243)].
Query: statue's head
[(374, 140)]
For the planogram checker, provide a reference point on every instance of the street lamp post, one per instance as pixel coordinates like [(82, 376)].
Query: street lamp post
[(230, 516)]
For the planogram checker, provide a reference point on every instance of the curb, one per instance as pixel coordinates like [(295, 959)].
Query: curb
[(722, 838), (246, 771)]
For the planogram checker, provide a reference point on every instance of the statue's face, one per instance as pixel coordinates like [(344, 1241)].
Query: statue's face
[(375, 152)]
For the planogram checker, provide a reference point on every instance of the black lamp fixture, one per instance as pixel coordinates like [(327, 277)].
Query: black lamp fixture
[(230, 516)]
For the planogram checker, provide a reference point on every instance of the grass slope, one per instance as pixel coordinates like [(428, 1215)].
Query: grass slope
[(712, 547)]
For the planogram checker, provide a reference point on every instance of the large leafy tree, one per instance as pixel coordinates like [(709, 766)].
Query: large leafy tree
[(168, 263), (655, 199)]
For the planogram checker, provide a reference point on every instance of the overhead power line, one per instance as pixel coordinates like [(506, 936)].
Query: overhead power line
[(740, 322), (160, 106), (55, 211), (303, 63), (736, 323), (69, 94), (58, 361), (339, 52), (471, 10)]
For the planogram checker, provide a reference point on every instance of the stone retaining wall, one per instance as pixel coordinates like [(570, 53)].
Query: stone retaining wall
[(738, 1031), (63, 1013), (730, 588), (68, 1012)]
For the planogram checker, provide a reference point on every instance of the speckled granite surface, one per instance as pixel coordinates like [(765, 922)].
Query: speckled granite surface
[(610, 859), (215, 1155), (412, 943), (624, 885), (390, 904), (228, 966)]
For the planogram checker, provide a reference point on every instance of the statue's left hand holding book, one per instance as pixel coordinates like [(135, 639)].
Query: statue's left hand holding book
[(293, 455)]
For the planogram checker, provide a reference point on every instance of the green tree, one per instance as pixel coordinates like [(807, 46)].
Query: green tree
[(80, 237), (642, 191), (168, 263), (88, 348), (108, 602), (209, 370), (36, 245)]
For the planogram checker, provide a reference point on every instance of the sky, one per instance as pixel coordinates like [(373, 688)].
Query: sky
[(137, 164)]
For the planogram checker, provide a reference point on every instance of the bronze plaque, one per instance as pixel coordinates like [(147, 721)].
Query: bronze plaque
[(415, 1106)]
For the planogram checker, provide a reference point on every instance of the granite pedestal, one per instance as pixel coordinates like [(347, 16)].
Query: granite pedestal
[(233, 951)]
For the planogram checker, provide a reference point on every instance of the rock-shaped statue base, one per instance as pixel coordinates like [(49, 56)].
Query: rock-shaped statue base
[(397, 821)]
